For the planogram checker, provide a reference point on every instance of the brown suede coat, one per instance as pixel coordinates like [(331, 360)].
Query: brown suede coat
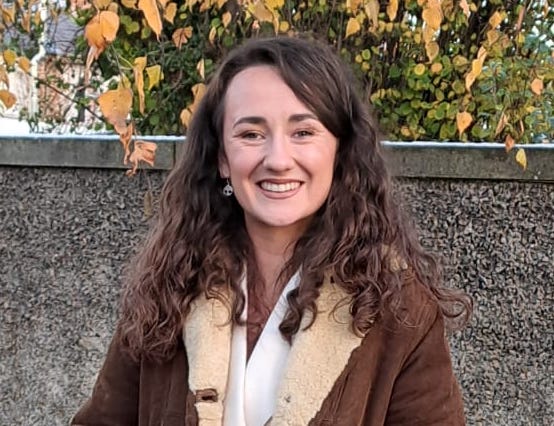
[(398, 374)]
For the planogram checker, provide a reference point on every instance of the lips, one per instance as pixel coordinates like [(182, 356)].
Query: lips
[(279, 187)]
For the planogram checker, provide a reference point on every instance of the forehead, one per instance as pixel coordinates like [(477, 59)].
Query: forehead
[(260, 89)]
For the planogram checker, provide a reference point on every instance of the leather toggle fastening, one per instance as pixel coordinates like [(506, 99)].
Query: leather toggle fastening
[(206, 395)]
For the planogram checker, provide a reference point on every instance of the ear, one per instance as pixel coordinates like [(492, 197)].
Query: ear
[(223, 166)]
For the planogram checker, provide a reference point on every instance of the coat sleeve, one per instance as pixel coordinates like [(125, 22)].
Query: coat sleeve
[(114, 400), (425, 391)]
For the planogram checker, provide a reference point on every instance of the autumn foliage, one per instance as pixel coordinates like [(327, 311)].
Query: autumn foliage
[(433, 69)]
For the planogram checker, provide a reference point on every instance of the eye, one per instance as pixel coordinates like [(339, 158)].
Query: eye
[(252, 135), (303, 133)]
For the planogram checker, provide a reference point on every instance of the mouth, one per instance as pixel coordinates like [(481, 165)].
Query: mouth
[(280, 187)]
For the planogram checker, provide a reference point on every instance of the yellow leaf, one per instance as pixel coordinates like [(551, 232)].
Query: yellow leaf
[(470, 79), (476, 68), (392, 9), (36, 18), (24, 64), (198, 91), (185, 117), (130, 4), (496, 19), (432, 17), (9, 57), (154, 75), (138, 68), (125, 139), (352, 27), (352, 6), (26, 21), (274, 4), (419, 69), (436, 68), (8, 14), (152, 15), (261, 12), (93, 33), (460, 61), (463, 120), (113, 7), (537, 86), (109, 22), (170, 12), (521, 158), (200, 68), (124, 82), (501, 124), (284, 26), (428, 34), (4, 76), (101, 4), (92, 54), (115, 106), (212, 34), (139, 63), (465, 8), (205, 5), (493, 36), (142, 151), (181, 35), (371, 9), (509, 143), (226, 19), (432, 50), (7, 98)]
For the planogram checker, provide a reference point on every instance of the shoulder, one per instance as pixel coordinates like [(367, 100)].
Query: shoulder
[(407, 320)]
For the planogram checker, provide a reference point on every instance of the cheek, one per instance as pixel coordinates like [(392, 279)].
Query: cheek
[(242, 163)]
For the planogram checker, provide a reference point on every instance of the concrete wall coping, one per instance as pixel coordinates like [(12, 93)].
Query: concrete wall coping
[(422, 159)]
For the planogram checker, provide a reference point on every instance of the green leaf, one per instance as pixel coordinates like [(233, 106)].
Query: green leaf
[(395, 71)]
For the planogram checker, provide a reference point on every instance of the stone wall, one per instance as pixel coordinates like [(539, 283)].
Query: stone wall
[(66, 235)]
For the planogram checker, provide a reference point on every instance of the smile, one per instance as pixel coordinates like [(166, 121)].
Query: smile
[(279, 187)]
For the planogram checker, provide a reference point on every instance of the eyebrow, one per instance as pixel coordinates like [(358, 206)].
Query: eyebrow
[(295, 118)]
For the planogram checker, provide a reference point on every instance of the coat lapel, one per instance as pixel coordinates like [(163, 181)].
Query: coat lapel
[(317, 358), (207, 337)]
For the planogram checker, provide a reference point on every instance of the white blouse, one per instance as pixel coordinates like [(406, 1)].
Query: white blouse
[(252, 387)]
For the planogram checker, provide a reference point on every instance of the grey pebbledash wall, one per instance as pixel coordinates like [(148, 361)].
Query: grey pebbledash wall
[(66, 233)]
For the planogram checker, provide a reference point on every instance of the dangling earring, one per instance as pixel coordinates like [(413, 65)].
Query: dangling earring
[(228, 189)]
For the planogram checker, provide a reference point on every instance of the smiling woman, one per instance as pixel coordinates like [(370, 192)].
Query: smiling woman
[(278, 155), (280, 284)]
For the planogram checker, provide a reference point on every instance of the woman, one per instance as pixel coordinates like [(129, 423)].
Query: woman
[(280, 284)]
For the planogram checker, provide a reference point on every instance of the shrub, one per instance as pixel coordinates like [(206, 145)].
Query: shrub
[(434, 69)]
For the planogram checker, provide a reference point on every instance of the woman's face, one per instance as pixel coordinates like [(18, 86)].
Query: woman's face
[(278, 156)]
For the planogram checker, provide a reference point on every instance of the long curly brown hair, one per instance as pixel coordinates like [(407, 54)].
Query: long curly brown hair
[(199, 243)]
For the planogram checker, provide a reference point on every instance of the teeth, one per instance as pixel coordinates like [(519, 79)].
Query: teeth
[(280, 187)]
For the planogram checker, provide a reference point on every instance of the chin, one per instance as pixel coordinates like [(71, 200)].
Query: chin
[(284, 222)]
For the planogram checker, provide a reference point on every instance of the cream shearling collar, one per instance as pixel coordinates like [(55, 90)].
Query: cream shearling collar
[(325, 347)]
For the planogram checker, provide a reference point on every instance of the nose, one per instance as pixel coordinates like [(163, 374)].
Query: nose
[(278, 154)]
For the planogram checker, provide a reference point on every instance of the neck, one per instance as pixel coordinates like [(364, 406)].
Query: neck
[(273, 247)]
